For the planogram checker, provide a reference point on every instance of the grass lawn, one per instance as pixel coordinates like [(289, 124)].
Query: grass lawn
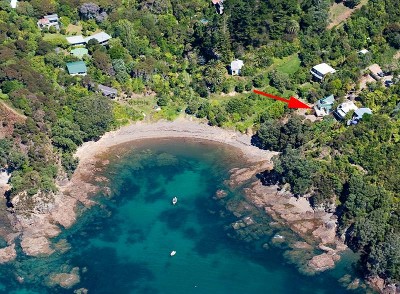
[(55, 39), (74, 29), (288, 65)]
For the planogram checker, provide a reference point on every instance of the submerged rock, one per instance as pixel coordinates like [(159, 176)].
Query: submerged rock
[(7, 254), (66, 280)]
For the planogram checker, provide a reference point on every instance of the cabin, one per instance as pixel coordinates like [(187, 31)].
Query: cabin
[(363, 52), (49, 21), (77, 68), (79, 52), (324, 106), (76, 40), (236, 66), (344, 109), (376, 71), (107, 91), (101, 37), (13, 3), (358, 114), (321, 70), (218, 5)]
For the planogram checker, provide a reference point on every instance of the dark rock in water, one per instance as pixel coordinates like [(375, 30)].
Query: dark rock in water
[(248, 221), (221, 194)]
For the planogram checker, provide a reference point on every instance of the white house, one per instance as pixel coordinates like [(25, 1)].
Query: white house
[(321, 70), (344, 109), (219, 5), (13, 3), (49, 21), (236, 66)]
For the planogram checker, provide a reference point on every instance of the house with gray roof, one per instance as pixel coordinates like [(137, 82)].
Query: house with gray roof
[(77, 68), (101, 37), (76, 40), (49, 21), (107, 91), (321, 70), (358, 115)]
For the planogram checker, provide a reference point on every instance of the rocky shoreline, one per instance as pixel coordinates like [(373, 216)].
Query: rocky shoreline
[(317, 229)]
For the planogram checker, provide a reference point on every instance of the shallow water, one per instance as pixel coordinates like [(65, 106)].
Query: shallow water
[(124, 245)]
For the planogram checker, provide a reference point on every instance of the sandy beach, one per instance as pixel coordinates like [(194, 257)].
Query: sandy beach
[(180, 128)]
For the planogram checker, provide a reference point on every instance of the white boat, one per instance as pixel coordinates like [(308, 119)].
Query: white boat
[(173, 253), (174, 200)]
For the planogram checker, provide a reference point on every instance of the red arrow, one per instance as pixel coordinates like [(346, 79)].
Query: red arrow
[(292, 102)]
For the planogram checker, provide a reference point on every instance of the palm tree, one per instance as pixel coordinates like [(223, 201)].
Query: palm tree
[(292, 27)]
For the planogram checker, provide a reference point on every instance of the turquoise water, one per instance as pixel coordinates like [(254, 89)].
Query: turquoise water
[(124, 245)]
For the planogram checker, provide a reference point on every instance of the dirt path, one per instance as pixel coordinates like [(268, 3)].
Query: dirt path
[(339, 13), (3, 104)]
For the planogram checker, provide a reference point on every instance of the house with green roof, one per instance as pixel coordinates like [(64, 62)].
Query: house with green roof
[(324, 106), (79, 52), (77, 68)]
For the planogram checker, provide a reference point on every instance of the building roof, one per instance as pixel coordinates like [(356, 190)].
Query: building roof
[(43, 21), (100, 37), (237, 64), (79, 52), (329, 100), (76, 67), (51, 16), (375, 69), (216, 1), (324, 68), (361, 111), (13, 3), (107, 90), (74, 40), (363, 51), (345, 107)]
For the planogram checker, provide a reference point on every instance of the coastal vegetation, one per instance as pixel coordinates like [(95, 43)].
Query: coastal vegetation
[(175, 55)]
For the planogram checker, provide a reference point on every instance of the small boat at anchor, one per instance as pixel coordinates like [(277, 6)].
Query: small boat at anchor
[(172, 253), (174, 200)]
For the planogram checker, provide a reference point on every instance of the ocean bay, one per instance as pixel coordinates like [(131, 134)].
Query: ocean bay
[(124, 244)]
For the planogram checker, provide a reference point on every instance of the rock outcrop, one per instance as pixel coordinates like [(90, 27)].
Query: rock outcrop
[(323, 261), (36, 246), (7, 254)]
